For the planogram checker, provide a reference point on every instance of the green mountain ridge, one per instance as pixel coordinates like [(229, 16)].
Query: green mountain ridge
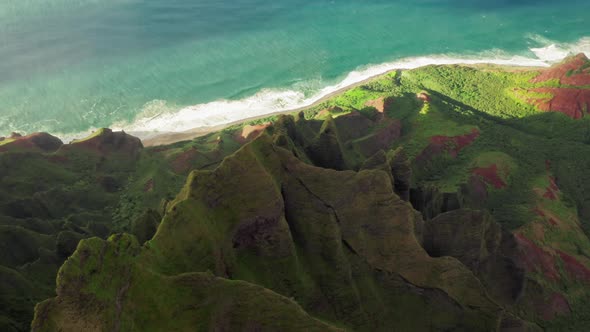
[(436, 199)]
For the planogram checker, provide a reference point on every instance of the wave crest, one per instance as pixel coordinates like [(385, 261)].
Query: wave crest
[(160, 117)]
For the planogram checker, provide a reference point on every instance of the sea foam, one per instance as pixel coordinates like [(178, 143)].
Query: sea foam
[(159, 117)]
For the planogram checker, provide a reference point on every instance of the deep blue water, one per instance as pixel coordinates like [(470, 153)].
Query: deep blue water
[(68, 66)]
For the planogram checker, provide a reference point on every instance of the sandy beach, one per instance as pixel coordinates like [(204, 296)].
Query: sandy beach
[(173, 137), (165, 138)]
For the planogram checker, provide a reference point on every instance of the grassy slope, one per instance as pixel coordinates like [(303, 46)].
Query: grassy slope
[(198, 301), (535, 146), (328, 263), (73, 193), (513, 134)]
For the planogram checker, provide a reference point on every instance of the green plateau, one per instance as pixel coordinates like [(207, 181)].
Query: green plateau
[(444, 198)]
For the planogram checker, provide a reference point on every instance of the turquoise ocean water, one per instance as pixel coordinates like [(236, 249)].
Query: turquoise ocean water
[(68, 66)]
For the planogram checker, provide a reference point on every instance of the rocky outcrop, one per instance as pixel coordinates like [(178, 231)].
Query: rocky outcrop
[(37, 142), (574, 71), (52, 196), (310, 218), (339, 243), (396, 162), (250, 132), (353, 126), (145, 226), (382, 104), (197, 301), (573, 102), (431, 202), (105, 141), (67, 241), (482, 245), (326, 151), (570, 97), (401, 167), (46, 142), (379, 161), (340, 143)]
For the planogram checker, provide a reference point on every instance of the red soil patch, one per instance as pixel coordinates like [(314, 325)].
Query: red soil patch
[(423, 96), (249, 133), (490, 175), (381, 104), (452, 145), (548, 216), (386, 135), (550, 194), (556, 305), (459, 142), (568, 73), (572, 102), (552, 191), (574, 268), (535, 259)]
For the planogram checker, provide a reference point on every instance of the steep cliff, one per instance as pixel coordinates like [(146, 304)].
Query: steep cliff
[(441, 198)]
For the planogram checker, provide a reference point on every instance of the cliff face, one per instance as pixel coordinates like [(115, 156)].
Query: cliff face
[(341, 244), (51, 196), (99, 282), (480, 243), (440, 198), (571, 97)]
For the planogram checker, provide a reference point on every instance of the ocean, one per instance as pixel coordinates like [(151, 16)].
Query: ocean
[(70, 66)]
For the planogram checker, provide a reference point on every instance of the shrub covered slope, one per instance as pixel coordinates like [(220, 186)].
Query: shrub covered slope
[(441, 198)]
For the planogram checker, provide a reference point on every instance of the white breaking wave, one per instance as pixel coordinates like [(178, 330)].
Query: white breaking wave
[(158, 117), (557, 51), (550, 53)]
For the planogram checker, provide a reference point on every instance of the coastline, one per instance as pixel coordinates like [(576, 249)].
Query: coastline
[(159, 123), (174, 137), (165, 138)]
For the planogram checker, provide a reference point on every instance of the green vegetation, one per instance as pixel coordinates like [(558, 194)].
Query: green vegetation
[(6, 141), (255, 227), (49, 201), (95, 134), (307, 226)]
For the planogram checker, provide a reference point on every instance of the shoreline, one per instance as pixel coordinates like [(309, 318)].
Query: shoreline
[(175, 137), (166, 138)]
